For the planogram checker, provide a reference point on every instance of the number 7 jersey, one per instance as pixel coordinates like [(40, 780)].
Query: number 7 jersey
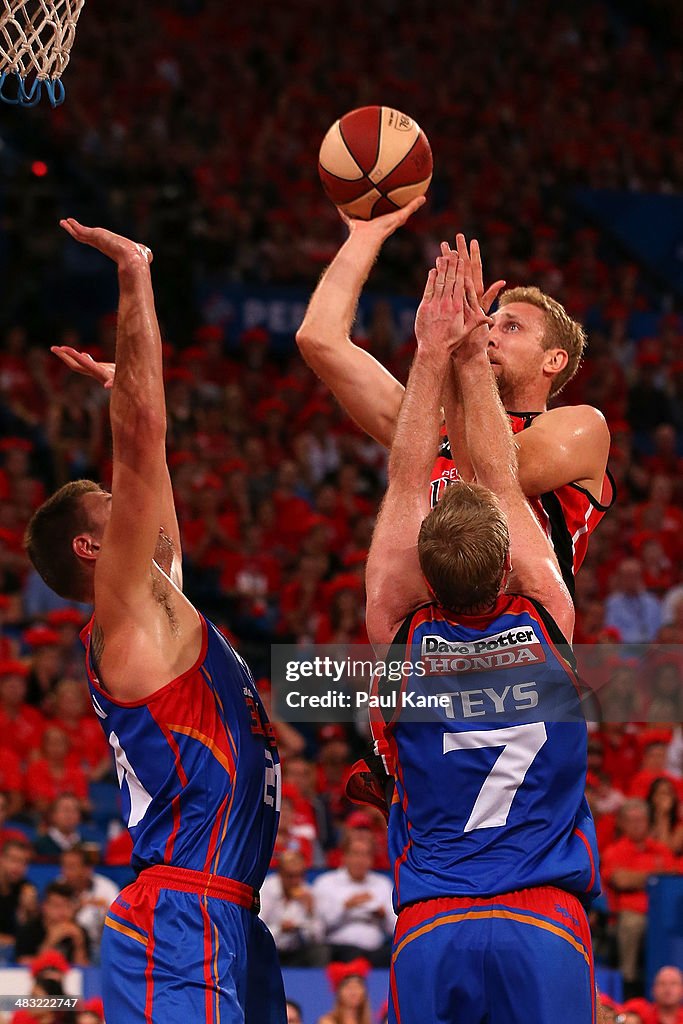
[(197, 765), (489, 783)]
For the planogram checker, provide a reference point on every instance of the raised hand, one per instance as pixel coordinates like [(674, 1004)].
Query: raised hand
[(82, 362), (448, 314), (119, 249), (485, 298), (382, 227), (488, 297)]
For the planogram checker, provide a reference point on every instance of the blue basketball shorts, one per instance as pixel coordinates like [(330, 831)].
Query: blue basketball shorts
[(181, 947), (520, 958)]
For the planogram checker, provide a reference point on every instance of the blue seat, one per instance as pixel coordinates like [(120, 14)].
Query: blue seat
[(42, 874)]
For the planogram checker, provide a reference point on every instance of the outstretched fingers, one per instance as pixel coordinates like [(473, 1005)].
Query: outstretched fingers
[(488, 297), (76, 230), (116, 247), (69, 356), (428, 293), (83, 362), (491, 294), (440, 282), (477, 269), (452, 263)]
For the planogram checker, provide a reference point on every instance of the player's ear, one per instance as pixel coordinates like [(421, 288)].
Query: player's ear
[(85, 546), (555, 360), (507, 569)]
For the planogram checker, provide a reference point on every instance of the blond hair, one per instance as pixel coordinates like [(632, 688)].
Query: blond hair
[(560, 330), (462, 547)]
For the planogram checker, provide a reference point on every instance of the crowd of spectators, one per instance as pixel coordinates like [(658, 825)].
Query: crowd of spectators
[(276, 490)]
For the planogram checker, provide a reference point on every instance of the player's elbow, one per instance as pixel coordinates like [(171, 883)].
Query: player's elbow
[(317, 345), (307, 339), (380, 622)]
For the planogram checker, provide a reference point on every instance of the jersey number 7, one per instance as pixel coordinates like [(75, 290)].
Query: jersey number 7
[(520, 745)]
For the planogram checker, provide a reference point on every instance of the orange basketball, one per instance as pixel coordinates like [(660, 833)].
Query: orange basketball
[(374, 160)]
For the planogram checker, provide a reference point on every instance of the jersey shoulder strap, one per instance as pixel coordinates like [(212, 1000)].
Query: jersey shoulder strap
[(554, 632)]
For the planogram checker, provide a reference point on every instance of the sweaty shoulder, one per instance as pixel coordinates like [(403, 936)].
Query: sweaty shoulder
[(566, 445), (582, 418)]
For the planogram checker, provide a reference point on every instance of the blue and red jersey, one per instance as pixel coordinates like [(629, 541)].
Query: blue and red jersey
[(197, 765), (567, 515), (488, 786)]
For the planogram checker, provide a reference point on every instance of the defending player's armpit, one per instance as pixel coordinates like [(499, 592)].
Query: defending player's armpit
[(370, 784)]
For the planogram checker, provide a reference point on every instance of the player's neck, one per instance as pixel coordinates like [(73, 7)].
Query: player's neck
[(475, 609), (524, 398)]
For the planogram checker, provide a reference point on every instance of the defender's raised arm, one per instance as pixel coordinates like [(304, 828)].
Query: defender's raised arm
[(394, 579)]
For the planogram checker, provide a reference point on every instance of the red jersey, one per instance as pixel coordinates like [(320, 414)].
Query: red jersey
[(568, 515), (43, 784), (22, 733)]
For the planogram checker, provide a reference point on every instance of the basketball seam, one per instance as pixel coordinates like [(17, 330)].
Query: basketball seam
[(364, 178), (404, 157), (379, 139), (351, 154), (385, 195)]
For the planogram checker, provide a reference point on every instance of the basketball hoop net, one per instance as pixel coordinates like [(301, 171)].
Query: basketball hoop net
[(36, 37)]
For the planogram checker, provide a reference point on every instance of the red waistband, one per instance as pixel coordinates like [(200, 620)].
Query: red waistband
[(546, 901), (163, 876)]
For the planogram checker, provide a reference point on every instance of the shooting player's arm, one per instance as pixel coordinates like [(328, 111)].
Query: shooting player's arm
[(362, 386)]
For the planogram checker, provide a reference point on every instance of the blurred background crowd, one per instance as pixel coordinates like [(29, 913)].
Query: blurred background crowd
[(196, 131)]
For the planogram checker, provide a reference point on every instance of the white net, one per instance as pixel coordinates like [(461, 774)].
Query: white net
[(36, 37)]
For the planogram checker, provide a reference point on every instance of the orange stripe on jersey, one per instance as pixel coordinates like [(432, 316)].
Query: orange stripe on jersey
[(207, 675), (173, 744), (225, 829), (227, 762), (231, 740), (182, 778), (479, 915), (213, 839), (124, 929)]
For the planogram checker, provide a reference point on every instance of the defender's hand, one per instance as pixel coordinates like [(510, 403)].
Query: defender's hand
[(119, 249), (445, 319), (484, 298)]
